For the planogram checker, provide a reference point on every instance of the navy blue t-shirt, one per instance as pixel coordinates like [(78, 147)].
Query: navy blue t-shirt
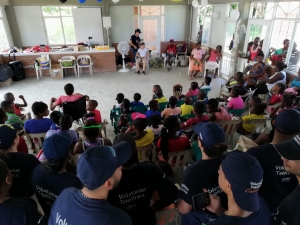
[(72, 207), (277, 183), (20, 211), (260, 217), (133, 104), (35, 126), (47, 186), (21, 166)]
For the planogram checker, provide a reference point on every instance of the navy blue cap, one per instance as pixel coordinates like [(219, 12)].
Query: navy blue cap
[(289, 150), (97, 164), (245, 176), (288, 122), (210, 134), (8, 133), (57, 146)]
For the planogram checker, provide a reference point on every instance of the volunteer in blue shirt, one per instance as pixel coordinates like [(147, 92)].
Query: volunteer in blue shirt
[(49, 179), (16, 211), (99, 170), (240, 177), (277, 184), (212, 144), (288, 211)]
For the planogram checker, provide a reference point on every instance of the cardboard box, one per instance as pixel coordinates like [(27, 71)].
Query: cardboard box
[(6, 83), (78, 48), (56, 72)]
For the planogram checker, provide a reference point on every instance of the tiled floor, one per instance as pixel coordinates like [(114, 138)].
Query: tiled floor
[(104, 87)]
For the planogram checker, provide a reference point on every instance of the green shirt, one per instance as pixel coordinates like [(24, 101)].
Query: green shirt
[(13, 118)]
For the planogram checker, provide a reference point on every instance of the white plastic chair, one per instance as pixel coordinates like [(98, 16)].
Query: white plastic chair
[(217, 65), (168, 217), (87, 59), (38, 68), (229, 128), (147, 151), (249, 95), (68, 58), (39, 144), (260, 126), (181, 158)]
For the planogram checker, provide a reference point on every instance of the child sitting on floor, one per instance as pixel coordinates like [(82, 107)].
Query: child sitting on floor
[(173, 110), (216, 112), (125, 107), (235, 100), (256, 112), (38, 124), (202, 97), (119, 98), (17, 107), (155, 125), (91, 132), (277, 92), (91, 108), (160, 97), (206, 84), (8, 107), (154, 106), (198, 111), (193, 91), (187, 107), (137, 98), (286, 103)]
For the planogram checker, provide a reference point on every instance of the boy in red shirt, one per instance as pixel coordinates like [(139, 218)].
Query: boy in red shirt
[(198, 110), (171, 53), (17, 107), (91, 107)]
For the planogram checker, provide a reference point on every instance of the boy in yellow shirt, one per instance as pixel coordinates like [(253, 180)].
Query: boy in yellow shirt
[(187, 107)]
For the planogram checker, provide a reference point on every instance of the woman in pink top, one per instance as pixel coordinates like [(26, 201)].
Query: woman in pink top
[(216, 113), (196, 60), (236, 102), (213, 60), (173, 110)]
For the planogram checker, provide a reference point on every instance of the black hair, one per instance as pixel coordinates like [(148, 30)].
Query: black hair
[(69, 89), (220, 48), (140, 123), (198, 43), (281, 66), (259, 108), (173, 101), (126, 105), (202, 93), (5, 105), (213, 103), (53, 165), (2, 115), (55, 116), (240, 75), (156, 86), (208, 80), (261, 54), (65, 122), (159, 92), (256, 100), (94, 103), (194, 85), (288, 99), (166, 169), (241, 82), (120, 98), (236, 90), (216, 151), (8, 96), (137, 97), (4, 171), (251, 43), (93, 132), (170, 124), (285, 40), (187, 100), (199, 108), (153, 103), (130, 140), (257, 38), (154, 120), (39, 107), (281, 87)]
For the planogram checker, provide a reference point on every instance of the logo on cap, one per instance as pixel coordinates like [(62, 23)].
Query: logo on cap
[(297, 139), (112, 151), (254, 187)]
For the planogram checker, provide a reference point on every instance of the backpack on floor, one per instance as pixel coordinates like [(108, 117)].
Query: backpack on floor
[(5, 72), (17, 68)]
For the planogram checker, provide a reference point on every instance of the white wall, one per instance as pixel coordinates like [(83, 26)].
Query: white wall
[(175, 22), (122, 23), (218, 26), (6, 27), (195, 23)]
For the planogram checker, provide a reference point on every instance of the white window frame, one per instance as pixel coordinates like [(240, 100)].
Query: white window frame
[(211, 21), (6, 27), (61, 23)]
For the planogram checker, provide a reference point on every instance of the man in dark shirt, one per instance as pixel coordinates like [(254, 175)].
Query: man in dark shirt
[(134, 43), (139, 182), (240, 177), (99, 170), (51, 178), (288, 212), (212, 144), (277, 183)]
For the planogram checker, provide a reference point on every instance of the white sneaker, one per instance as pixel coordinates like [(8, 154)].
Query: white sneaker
[(133, 67)]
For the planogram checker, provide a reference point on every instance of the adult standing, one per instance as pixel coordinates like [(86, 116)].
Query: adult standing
[(171, 53), (254, 50), (265, 85), (134, 43), (280, 54), (99, 170)]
